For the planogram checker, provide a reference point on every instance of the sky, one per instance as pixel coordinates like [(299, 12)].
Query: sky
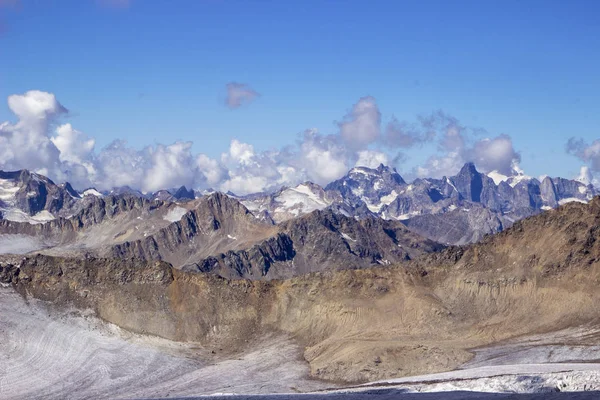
[(251, 95)]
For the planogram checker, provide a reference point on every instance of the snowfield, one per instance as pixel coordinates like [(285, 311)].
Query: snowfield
[(175, 214)]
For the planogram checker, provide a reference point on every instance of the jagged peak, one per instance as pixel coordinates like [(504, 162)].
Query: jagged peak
[(24, 175), (184, 193), (468, 168)]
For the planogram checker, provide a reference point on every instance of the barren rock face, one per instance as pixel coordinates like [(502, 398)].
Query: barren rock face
[(356, 325)]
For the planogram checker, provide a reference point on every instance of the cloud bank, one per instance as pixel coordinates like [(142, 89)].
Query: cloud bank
[(40, 142)]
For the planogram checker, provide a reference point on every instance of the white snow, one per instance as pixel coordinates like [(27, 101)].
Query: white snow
[(570, 200), (8, 189), (408, 215), (582, 189), (515, 180), (301, 199), (361, 171), (546, 208), (345, 236), (522, 378), (20, 244), (358, 192), (14, 214), (585, 175), (232, 237), (372, 207), (92, 192), (175, 214), (452, 207), (43, 216), (450, 183), (497, 177), (389, 198)]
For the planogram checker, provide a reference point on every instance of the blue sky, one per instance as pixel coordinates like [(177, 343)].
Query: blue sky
[(155, 71)]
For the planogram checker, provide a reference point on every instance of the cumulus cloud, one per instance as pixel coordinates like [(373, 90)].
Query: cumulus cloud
[(457, 145), (585, 176), (371, 158), (25, 144), (586, 152), (239, 94), (362, 125), (41, 142)]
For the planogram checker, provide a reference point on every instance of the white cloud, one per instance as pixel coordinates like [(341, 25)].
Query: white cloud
[(587, 152), (362, 125), (371, 159), (26, 144), (239, 94), (212, 171), (495, 154), (456, 147), (170, 166), (585, 175), (74, 146), (37, 142)]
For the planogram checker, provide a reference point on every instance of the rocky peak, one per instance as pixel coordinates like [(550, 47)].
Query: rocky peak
[(30, 193), (469, 183), (184, 194)]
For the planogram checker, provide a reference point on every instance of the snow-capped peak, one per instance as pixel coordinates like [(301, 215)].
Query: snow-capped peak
[(497, 177), (517, 175), (91, 192)]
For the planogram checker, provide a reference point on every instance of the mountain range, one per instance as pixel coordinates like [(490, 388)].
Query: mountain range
[(368, 217)]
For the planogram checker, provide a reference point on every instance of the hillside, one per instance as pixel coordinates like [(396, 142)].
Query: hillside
[(541, 275)]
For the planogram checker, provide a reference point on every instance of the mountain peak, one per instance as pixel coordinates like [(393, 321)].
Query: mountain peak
[(184, 194), (469, 183), (468, 168)]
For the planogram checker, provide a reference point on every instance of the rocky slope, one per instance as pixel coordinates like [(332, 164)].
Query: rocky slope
[(540, 275), (320, 241)]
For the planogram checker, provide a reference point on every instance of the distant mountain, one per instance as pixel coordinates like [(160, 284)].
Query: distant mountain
[(452, 210), (29, 197)]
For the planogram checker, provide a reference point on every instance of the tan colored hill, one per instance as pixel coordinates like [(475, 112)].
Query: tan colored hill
[(541, 275)]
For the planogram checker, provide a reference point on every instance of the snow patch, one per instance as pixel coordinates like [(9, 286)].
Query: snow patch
[(515, 180), (301, 199), (345, 236), (402, 217), (175, 214), (570, 200), (361, 171), (20, 244), (92, 192), (497, 177), (43, 216), (16, 215), (231, 237), (8, 189), (389, 198)]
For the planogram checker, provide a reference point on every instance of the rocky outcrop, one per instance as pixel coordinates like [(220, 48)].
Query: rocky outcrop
[(320, 241), (418, 317)]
